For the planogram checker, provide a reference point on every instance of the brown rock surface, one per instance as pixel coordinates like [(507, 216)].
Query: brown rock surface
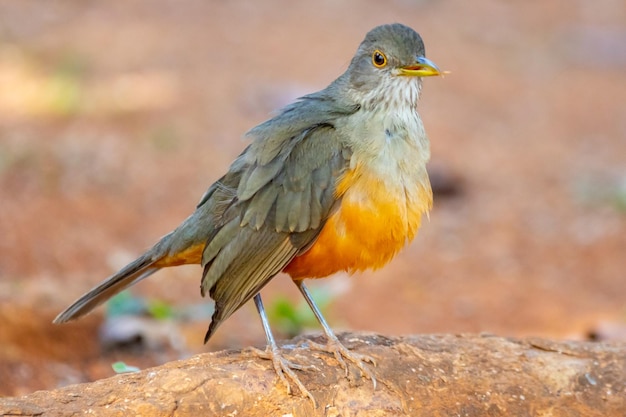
[(427, 375)]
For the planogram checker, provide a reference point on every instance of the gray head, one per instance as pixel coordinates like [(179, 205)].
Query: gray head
[(389, 60), (384, 74)]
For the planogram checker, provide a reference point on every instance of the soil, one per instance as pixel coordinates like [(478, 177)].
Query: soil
[(115, 117)]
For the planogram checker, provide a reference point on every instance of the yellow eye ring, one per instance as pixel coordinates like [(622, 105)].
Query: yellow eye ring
[(379, 59)]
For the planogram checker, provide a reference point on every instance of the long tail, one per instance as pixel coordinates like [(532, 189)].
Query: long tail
[(132, 273)]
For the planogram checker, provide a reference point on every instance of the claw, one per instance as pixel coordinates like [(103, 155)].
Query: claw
[(341, 354), (284, 369)]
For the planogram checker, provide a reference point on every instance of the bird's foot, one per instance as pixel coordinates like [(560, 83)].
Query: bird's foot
[(284, 369), (342, 354)]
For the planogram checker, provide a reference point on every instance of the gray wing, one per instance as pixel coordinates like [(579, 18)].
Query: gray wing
[(272, 205)]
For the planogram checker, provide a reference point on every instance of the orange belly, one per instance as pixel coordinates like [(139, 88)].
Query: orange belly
[(372, 224)]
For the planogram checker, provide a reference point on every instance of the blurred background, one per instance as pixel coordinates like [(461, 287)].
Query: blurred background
[(115, 117)]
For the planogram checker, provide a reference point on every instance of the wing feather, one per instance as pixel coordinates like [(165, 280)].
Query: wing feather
[(280, 191)]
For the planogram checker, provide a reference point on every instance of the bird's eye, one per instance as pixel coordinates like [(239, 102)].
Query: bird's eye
[(379, 59)]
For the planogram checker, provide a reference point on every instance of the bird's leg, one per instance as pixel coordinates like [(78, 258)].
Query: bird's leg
[(333, 345), (283, 367)]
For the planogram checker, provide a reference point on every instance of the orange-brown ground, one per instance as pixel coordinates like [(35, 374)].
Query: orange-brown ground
[(116, 116)]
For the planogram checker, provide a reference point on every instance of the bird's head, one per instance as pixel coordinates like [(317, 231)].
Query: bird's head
[(389, 65)]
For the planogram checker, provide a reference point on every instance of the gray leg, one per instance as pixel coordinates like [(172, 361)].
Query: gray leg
[(333, 345), (283, 367)]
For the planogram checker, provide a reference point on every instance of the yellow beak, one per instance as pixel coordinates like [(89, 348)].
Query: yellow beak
[(421, 68)]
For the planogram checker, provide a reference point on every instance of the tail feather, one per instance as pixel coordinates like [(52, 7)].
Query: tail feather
[(132, 273)]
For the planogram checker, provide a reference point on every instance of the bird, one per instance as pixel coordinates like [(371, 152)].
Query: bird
[(335, 181)]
